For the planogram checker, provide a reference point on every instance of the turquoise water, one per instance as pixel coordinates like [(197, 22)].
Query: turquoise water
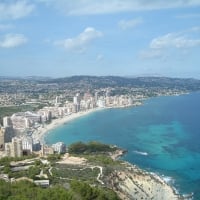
[(162, 136)]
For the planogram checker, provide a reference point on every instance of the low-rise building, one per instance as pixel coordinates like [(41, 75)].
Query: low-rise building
[(46, 150), (42, 183), (59, 147)]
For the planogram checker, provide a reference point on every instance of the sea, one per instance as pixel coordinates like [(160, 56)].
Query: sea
[(161, 136)]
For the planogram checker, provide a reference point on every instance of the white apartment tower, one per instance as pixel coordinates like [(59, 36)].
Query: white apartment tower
[(59, 147), (2, 138), (77, 101), (7, 122), (27, 144)]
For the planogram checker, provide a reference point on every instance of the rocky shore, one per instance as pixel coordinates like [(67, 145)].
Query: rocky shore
[(132, 183)]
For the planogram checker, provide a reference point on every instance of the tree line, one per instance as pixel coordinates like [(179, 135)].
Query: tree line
[(90, 147), (25, 190)]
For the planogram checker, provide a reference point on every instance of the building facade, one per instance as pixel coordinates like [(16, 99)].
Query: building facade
[(2, 138), (14, 148)]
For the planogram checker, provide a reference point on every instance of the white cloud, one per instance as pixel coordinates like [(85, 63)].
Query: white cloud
[(178, 43), (12, 40), (127, 24), (89, 7), (15, 9), (80, 42), (173, 40)]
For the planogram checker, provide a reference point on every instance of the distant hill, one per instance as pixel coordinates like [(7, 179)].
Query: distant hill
[(116, 81), (83, 83)]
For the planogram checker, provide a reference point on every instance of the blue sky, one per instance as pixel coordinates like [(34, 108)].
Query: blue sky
[(61, 38)]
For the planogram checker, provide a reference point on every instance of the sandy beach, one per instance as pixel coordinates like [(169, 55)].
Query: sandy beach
[(39, 134)]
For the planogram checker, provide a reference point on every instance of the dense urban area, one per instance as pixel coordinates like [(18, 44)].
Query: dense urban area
[(29, 105)]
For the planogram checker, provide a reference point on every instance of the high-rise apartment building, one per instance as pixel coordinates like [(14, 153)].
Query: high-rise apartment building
[(14, 148), (2, 138)]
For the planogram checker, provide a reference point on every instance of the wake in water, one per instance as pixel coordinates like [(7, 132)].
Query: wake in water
[(141, 153)]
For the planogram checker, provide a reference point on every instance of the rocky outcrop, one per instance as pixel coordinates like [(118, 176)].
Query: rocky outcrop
[(132, 183)]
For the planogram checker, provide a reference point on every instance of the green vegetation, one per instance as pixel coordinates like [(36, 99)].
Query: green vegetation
[(86, 192), (30, 172), (90, 148), (53, 157), (70, 172), (94, 152), (6, 160), (96, 82), (102, 160), (73, 182), (25, 190)]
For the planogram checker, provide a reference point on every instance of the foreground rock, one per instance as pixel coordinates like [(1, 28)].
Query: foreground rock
[(133, 183)]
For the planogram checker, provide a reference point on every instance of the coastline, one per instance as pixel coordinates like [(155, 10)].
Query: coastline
[(149, 179), (41, 132), (135, 182)]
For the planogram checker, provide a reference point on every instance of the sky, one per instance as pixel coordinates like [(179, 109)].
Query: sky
[(60, 38)]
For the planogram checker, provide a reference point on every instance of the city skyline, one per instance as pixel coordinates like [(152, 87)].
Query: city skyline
[(59, 38)]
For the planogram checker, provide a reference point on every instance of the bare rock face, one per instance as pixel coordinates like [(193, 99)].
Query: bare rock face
[(133, 183)]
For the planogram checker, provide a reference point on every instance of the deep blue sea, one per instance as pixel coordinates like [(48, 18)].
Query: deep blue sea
[(162, 136)]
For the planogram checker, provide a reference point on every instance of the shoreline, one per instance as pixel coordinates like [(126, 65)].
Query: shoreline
[(135, 182), (41, 132), (144, 179)]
